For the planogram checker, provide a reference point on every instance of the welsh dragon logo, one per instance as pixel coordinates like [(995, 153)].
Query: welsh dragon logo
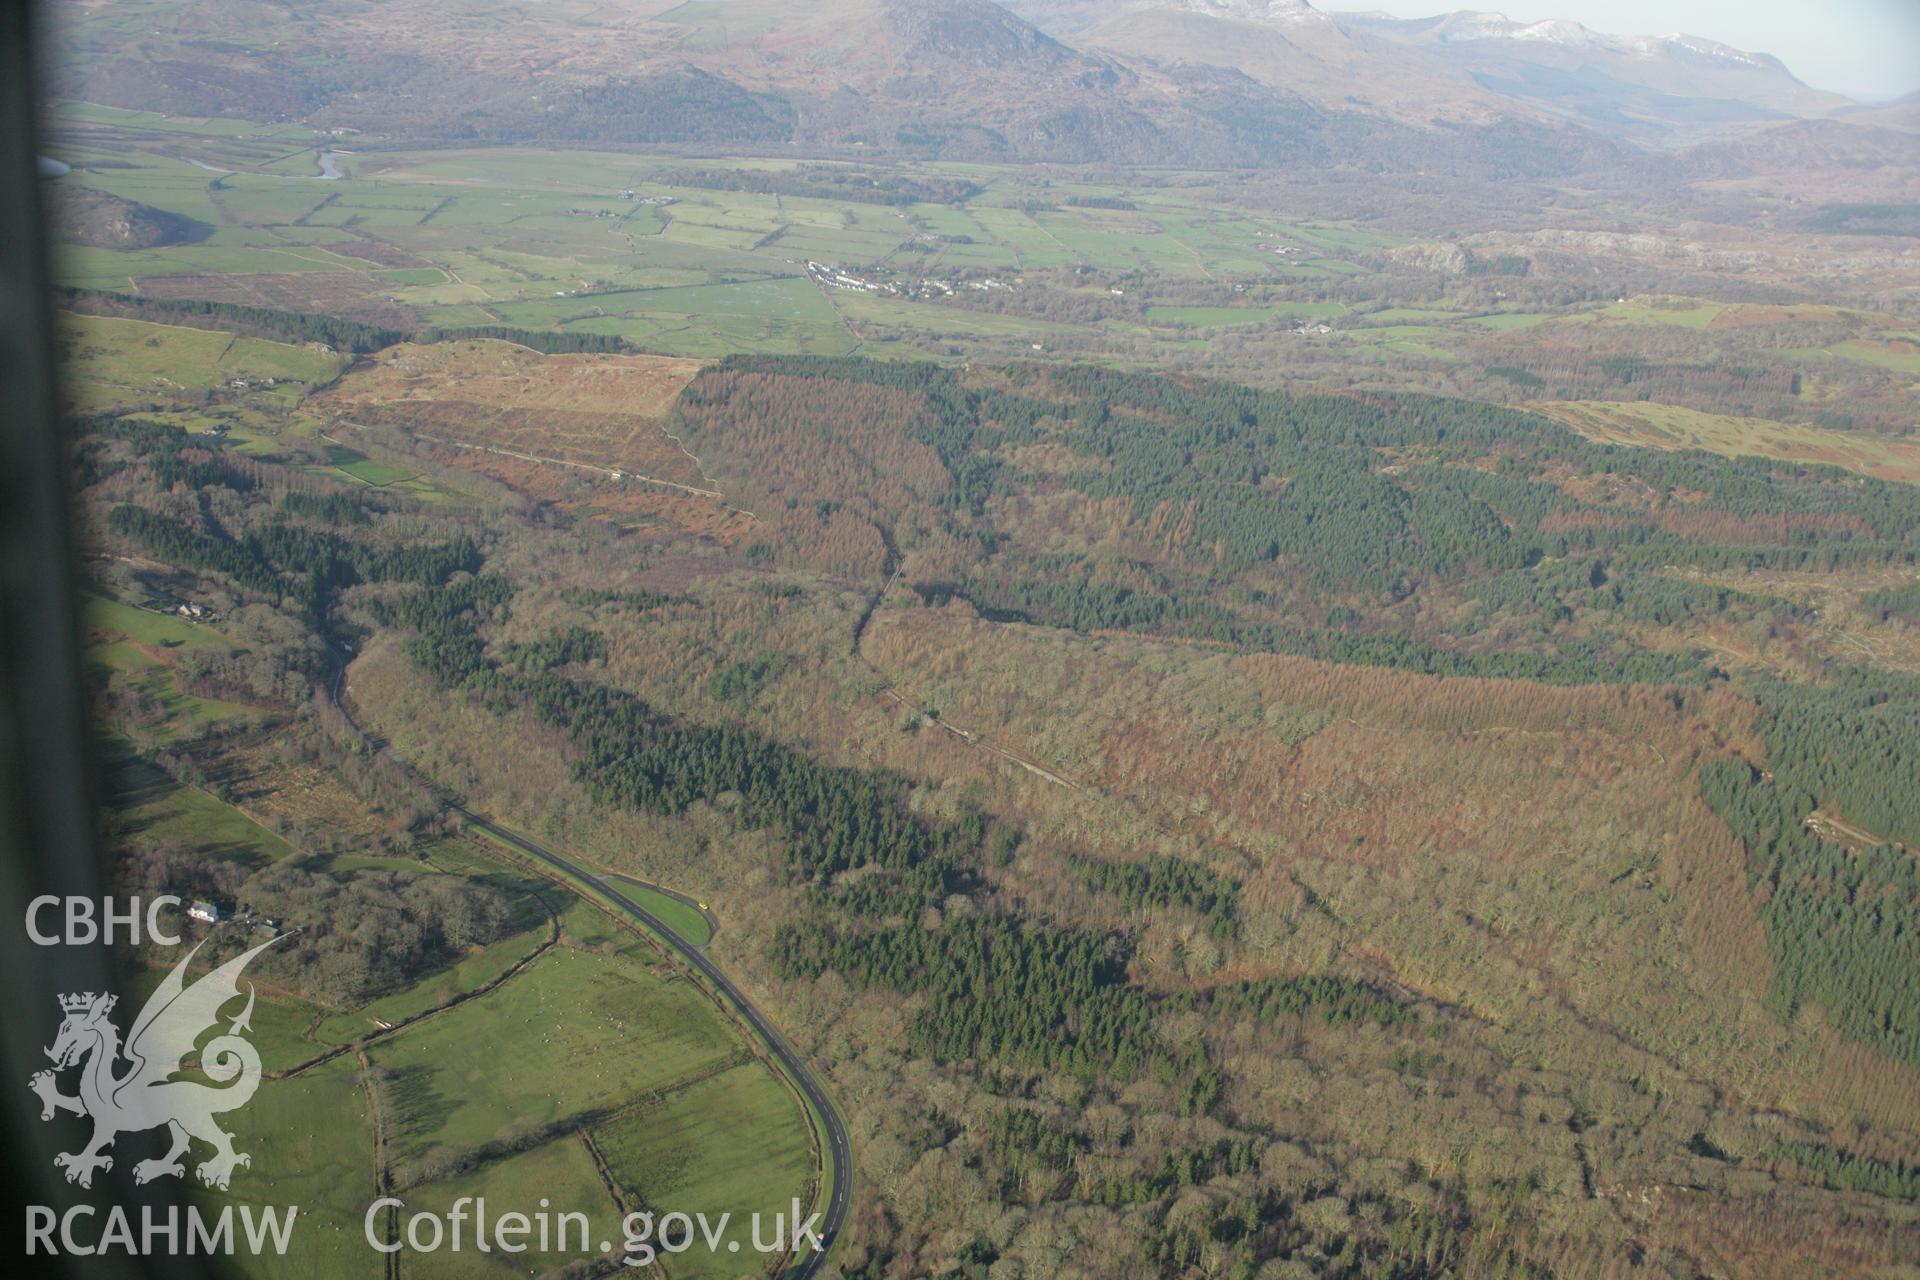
[(142, 1095)]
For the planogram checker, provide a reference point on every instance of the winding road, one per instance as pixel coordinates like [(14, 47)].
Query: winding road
[(834, 1216)]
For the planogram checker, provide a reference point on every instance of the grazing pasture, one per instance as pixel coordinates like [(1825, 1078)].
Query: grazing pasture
[(1649, 425), (117, 363)]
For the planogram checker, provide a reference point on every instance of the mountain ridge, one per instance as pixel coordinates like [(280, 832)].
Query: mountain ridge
[(1180, 83), (1643, 87), (1487, 44)]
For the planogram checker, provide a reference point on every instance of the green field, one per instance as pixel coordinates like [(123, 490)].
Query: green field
[(787, 316), (123, 641), (537, 1052), (113, 362), (430, 992), (495, 1096), (413, 275), (560, 1172), (149, 805), (1407, 315), (1219, 317), (684, 920), (355, 465), (248, 428), (95, 113), (311, 1140), (181, 713), (573, 240), (714, 1147), (1896, 356), (1511, 320), (1688, 313), (144, 626), (548, 239), (279, 1026), (346, 463)]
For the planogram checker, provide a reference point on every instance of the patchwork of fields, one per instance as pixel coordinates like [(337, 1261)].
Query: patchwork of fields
[(1301, 652), (112, 361), (956, 261), (563, 1075), (612, 244), (567, 1064)]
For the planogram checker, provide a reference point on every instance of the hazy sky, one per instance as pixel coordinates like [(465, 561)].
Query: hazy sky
[(1860, 47)]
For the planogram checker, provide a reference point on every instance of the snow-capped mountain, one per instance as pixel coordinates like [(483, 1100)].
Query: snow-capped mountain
[(1651, 85), (1287, 46), (1471, 65), (1203, 83), (1470, 25), (1065, 19), (1273, 13), (1473, 25)]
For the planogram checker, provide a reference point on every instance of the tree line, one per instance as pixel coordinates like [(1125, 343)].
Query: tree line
[(1227, 479), (1843, 925), (264, 561), (998, 987), (287, 326), (551, 342), (1161, 881), (1853, 742), (1091, 607), (827, 182)]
